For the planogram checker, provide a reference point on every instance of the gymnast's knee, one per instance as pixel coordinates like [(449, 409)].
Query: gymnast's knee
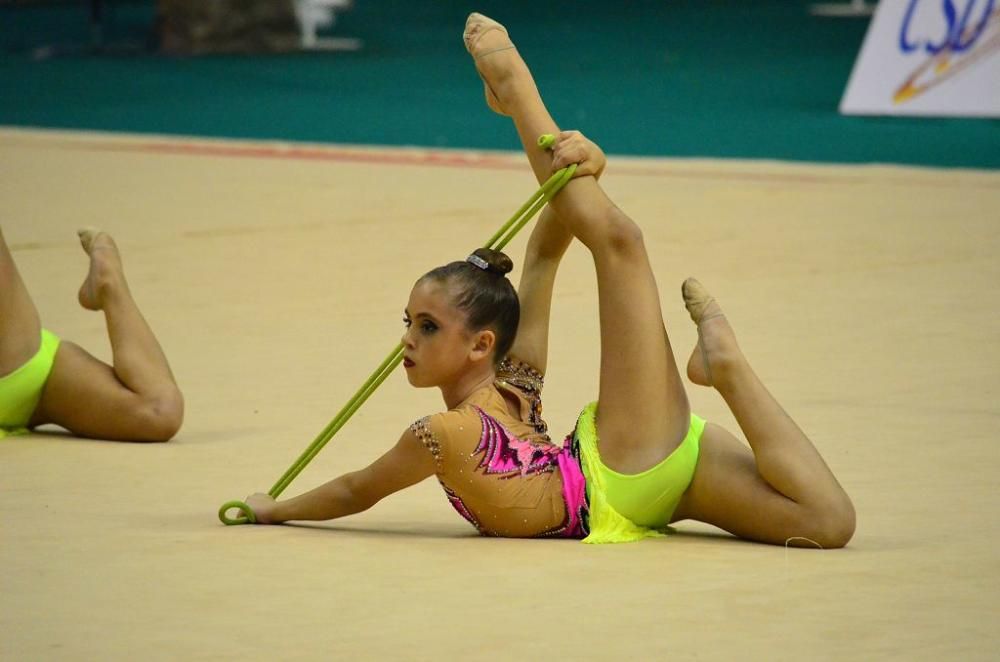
[(160, 417), (622, 236), (833, 527), (844, 523)]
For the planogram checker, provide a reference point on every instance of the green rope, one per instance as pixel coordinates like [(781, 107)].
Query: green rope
[(502, 237)]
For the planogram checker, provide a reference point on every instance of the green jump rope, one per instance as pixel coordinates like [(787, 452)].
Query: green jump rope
[(502, 237)]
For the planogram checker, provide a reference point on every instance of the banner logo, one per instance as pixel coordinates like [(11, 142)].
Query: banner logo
[(929, 57)]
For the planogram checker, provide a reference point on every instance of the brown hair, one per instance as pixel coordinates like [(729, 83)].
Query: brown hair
[(485, 295)]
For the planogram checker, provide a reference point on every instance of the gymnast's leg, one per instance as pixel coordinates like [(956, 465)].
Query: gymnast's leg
[(136, 399), (643, 412), (782, 491), (20, 327)]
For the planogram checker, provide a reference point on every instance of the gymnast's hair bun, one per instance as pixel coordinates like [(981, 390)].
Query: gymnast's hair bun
[(492, 261)]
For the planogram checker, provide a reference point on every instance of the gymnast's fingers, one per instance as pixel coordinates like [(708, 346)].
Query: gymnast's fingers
[(573, 147), (595, 159), (261, 505), (569, 148)]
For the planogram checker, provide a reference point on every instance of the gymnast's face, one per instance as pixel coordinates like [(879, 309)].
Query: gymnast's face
[(437, 345)]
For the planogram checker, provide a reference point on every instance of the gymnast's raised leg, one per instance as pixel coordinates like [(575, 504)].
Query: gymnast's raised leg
[(644, 412)]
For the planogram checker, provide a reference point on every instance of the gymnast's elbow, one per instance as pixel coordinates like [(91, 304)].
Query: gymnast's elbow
[(356, 495)]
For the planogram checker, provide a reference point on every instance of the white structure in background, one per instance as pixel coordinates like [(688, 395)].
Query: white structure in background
[(849, 9), (316, 14), (928, 57)]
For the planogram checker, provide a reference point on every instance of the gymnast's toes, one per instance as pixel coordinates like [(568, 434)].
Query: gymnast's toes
[(105, 274), (701, 306), (478, 38)]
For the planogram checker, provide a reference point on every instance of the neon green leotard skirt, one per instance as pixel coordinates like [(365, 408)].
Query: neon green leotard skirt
[(21, 390), (628, 507)]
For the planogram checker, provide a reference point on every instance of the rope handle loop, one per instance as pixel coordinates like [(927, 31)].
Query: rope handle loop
[(246, 515)]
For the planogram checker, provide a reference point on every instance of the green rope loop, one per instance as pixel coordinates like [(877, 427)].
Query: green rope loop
[(501, 238), (246, 515)]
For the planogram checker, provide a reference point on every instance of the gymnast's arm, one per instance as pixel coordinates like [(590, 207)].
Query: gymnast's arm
[(406, 464), (546, 247), (549, 241)]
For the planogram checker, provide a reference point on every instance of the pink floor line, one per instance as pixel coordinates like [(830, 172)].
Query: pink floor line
[(418, 157), (446, 159)]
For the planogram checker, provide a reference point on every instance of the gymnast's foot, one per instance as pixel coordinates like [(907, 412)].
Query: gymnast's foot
[(716, 353), (106, 276), (495, 56)]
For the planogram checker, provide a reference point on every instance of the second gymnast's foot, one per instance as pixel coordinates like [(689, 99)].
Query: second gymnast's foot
[(494, 54), (106, 275), (716, 351)]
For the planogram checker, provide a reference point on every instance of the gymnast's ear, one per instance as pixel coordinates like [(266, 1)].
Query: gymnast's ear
[(483, 344)]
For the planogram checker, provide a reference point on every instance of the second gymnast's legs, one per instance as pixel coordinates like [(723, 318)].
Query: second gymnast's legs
[(136, 398)]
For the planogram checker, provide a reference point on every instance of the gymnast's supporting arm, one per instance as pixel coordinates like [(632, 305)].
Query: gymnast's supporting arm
[(406, 464)]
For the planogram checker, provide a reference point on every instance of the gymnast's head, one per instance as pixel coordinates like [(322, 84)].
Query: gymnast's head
[(461, 315)]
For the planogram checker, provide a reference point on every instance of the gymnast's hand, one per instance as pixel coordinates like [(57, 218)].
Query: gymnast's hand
[(262, 506), (573, 147)]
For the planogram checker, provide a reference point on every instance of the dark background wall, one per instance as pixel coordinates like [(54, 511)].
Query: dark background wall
[(712, 78)]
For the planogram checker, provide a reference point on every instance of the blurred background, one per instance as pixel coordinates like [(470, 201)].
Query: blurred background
[(756, 79)]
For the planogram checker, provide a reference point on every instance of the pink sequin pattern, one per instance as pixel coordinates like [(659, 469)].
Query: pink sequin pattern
[(504, 453)]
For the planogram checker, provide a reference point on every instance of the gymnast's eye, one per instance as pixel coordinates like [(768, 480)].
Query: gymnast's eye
[(407, 322), (428, 327)]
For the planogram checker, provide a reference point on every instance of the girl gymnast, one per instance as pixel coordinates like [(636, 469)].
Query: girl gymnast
[(45, 380), (637, 461)]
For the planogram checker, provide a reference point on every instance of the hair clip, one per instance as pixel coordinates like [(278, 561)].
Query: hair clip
[(479, 262)]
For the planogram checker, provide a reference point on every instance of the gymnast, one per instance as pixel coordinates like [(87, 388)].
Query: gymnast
[(637, 461), (46, 380)]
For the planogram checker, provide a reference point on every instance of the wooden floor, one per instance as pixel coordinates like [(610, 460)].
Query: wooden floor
[(275, 277)]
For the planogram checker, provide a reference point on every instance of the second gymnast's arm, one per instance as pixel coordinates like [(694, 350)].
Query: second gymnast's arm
[(406, 464)]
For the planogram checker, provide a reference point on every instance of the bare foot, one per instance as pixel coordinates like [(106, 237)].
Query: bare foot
[(716, 350), (106, 275), (494, 53)]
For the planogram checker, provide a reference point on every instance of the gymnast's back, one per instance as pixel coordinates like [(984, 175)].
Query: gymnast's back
[(497, 465)]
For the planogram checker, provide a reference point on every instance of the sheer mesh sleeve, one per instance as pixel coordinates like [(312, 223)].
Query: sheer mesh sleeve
[(527, 379), (522, 375)]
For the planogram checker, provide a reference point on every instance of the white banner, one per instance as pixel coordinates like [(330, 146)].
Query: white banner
[(928, 57)]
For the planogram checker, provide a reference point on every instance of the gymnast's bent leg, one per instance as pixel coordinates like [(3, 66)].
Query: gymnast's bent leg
[(136, 398), (779, 490)]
